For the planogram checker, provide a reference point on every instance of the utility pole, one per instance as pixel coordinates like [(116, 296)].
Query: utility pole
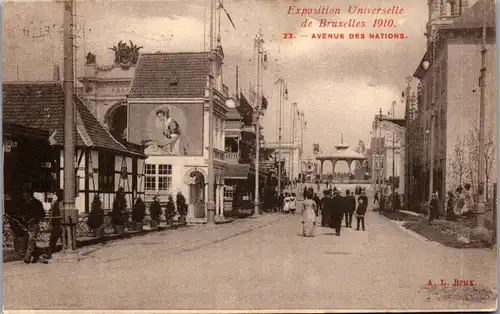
[(294, 110), (393, 185), (258, 44), (70, 213), (280, 83), (380, 153), (482, 118), (211, 181), (407, 145)]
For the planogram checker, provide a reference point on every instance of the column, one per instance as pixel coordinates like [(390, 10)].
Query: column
[(349, 164), (321, 169), (216, 199), (221, 201), (205, 192)]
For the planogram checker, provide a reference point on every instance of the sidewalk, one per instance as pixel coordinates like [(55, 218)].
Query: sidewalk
[(191, 234)]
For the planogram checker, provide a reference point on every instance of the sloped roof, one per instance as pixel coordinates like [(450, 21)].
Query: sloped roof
[(474, 17), (171, 75), (40, 105), (16, 130)]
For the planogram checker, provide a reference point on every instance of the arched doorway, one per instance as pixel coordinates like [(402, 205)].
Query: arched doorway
[(116, 119), (196, 182)]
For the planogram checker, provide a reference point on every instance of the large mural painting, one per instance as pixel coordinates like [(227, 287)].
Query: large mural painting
[(171, 130)]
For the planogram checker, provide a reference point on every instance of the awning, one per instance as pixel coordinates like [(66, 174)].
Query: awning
[(236, 171), (233, 133)]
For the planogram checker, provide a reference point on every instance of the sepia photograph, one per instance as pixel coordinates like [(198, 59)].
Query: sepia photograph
[(249, 156)]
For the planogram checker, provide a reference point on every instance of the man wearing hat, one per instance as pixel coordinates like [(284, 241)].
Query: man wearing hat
[(325, 208), (337, 211), (33, 214)]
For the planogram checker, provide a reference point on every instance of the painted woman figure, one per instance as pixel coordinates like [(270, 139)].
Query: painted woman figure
[(167, 135)]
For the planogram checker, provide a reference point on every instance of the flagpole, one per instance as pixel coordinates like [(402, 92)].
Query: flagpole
[(258, 42), (211, 181)]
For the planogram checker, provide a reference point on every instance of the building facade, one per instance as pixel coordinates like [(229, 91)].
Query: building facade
[(105, 87), (102, 164), (168, 113), (449, 99)]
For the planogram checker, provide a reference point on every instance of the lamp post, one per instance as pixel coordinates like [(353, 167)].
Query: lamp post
[(393, 185), (380, 153), (481, 166), (258, 45), (281, 83)]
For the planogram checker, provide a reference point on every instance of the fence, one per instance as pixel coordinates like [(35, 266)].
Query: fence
[(82, 229)]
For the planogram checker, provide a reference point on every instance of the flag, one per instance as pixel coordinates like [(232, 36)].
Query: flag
[(264, 102)]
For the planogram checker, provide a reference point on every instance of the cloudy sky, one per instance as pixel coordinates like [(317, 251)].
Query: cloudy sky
[(339, 84)]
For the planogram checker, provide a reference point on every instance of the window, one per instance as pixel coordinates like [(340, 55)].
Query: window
[(150, 178), (158, 179), (229, 189), (106, 172)]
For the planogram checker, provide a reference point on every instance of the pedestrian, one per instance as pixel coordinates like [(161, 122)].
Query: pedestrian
[(34, 213), (433, 208), (305, 192), (286, 203), (336, 213), (308, 211), (361, 210), (317, 200), (280, 202), (350, 207), (293, 203), (324, 209), (170, 210), (376, 199), (450, 207), (55, 223)]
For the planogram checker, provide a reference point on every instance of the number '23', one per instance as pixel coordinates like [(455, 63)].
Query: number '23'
[(288, 36)]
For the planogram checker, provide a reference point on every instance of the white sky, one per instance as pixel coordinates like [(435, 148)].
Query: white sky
[(339, 84)]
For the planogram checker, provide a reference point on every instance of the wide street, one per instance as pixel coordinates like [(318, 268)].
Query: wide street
[(256, 263)]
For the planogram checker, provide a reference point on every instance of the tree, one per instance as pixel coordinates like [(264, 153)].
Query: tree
[(458, 164), (489, 159), (473, 158)]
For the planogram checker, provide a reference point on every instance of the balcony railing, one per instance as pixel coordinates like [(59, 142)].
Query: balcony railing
[(232, 157), (219, 154)]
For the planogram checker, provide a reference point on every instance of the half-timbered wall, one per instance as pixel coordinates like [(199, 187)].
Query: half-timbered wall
[(88, 179)]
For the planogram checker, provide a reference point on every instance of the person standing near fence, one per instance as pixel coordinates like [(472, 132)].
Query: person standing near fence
[(34, 213), (55, 223)]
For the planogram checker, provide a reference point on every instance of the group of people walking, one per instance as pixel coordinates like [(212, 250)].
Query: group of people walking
[(333, 208)]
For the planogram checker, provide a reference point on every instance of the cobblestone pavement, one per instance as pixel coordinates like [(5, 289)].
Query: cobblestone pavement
[(256, 263)]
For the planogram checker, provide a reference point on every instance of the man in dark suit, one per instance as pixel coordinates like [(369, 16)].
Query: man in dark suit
[(350, 207), (337, 211), (361, 211), (325, 210)]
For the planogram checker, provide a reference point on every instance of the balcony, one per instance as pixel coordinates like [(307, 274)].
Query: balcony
[(219, 154), (232, 157)]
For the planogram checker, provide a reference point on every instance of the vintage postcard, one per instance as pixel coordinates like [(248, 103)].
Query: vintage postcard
[(249, 155)]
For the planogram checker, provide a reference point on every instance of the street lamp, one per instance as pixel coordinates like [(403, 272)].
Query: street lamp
[(426, 64)]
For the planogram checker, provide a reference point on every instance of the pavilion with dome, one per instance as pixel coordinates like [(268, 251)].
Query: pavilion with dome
[(342, 153)]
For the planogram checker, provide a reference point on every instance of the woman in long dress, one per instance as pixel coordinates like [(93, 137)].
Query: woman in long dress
[(293, 203), (308, 216), (286, 203)]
